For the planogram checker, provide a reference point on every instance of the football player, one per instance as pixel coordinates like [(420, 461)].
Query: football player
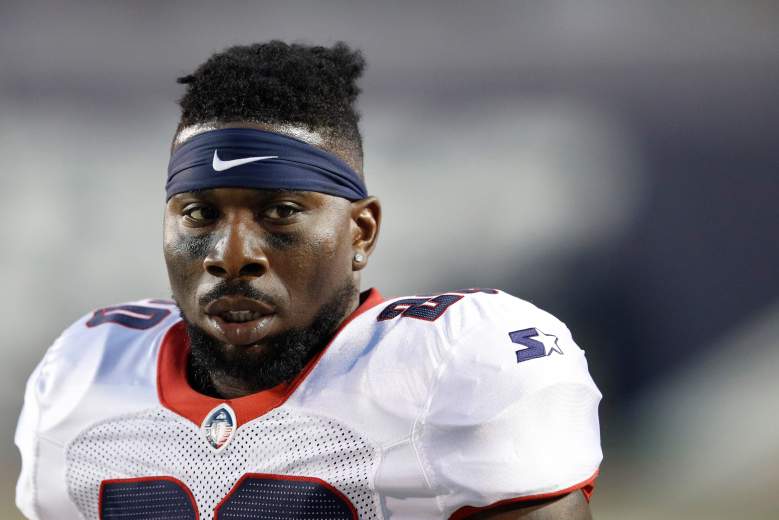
[(272, 387)]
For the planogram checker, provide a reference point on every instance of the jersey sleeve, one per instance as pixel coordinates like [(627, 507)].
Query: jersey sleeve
[(514, 413), (50, 393), (67, 390)]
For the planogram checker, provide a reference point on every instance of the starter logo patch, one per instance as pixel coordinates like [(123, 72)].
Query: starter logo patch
[(536, 344), (219, 427)]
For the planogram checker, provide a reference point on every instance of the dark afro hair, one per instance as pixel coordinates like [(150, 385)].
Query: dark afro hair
[(278, 83)]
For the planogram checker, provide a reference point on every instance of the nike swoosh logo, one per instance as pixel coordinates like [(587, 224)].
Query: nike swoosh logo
[(220, 165)]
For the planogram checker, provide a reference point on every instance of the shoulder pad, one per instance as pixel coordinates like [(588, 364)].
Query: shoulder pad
[(113, 345), (514, 410)]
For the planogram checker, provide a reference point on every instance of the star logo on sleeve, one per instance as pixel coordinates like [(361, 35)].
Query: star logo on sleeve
[(549, 341), (536, 344)]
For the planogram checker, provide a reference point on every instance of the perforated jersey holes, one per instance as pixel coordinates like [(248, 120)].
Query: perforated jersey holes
[(143, 499), (279, 497), (159, 442)]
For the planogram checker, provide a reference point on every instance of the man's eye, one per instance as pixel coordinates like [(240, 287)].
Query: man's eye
[(200, 214), (280, 211)]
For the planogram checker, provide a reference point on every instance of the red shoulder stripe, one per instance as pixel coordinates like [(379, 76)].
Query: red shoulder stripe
[(587, 487)]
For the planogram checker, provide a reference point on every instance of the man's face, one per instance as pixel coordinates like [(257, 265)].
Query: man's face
[(247, 266), (294, 248)]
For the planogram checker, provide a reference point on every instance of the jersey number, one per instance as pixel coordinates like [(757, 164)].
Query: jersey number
[(428, 308), (131, 316), (256, 496)]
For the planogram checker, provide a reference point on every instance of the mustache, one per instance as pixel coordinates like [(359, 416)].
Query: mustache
[(240, 288)]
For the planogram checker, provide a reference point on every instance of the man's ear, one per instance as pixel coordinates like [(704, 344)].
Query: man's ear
[(366, 220)]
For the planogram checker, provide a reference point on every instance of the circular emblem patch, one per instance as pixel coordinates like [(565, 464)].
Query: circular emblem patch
[(219, 426)]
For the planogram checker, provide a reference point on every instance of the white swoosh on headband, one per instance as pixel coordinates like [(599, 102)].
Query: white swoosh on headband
[(220, 165)]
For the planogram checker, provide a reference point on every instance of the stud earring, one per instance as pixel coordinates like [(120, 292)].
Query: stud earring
[(359, 258)]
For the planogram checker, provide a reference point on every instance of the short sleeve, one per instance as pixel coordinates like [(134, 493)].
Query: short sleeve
[(107, 356), (514, 414)]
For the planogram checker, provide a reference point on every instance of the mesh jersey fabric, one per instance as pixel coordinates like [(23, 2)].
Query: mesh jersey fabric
[(407, 414), (283, 441)]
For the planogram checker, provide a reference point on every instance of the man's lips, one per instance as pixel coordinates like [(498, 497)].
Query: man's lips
[(229, 304), (239, 320)]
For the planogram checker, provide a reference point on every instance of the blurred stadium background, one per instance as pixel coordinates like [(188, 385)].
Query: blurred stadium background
[(615, 162)]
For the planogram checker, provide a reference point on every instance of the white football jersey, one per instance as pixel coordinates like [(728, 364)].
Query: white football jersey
[(420, 407)]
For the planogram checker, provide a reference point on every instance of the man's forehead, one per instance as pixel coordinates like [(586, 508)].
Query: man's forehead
[(312, 137)]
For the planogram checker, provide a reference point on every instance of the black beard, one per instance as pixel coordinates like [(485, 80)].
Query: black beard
[(286, 353)]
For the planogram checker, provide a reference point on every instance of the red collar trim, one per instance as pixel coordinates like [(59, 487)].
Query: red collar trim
[(175, 393)]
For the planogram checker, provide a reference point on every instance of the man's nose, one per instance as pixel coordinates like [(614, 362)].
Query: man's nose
[(237, 253)]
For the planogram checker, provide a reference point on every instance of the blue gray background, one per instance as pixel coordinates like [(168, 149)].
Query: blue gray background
[(614, 162)]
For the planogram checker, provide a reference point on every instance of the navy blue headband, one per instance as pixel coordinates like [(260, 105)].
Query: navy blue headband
[(249, 158)]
